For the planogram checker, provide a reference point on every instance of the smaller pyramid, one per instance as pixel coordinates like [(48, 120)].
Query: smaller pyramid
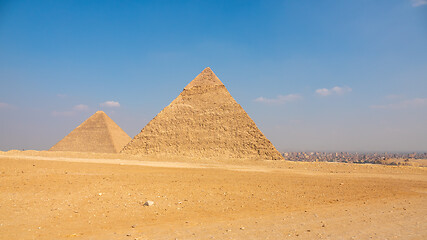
[(99, 134)]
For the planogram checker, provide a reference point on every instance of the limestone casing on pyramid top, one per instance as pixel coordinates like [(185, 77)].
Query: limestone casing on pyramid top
[(99, 133), (206, 78), (204, 121)]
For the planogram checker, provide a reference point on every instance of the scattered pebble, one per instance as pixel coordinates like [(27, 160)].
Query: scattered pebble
[(148, 203)]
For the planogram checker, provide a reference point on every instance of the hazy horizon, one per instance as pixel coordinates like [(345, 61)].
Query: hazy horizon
[(325, 76)]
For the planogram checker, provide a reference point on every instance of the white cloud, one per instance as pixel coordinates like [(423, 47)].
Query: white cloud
[(110, 104), (5, 105), (410, 103), (81, 107), (76, 109), (335, 90), (61, 95), (279, 99), (417, 3), (323, 92)]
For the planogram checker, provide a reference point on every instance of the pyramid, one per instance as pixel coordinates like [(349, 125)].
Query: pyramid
[(97, 134), (204, 121)]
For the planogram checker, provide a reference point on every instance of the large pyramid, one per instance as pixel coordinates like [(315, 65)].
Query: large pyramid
[(97, 134), (204, 121)]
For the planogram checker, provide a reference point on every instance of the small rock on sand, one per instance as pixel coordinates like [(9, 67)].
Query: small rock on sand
[(148, 203)]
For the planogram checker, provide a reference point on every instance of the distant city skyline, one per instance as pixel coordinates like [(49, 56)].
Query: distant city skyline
[(314, 75)]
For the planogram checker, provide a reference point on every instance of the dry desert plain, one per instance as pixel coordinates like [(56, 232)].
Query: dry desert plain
[(59, 195)]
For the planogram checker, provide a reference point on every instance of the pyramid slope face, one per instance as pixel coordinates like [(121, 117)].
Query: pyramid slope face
[(204, 121), (99, 134)]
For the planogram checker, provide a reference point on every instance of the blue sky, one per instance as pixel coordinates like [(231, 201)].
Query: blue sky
[(327, 75)]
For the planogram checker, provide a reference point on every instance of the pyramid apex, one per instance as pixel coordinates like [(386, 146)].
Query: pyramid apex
[(206, 78), (98, 112)]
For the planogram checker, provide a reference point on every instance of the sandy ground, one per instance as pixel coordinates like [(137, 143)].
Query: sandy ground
[(410, 162), (47, 195)]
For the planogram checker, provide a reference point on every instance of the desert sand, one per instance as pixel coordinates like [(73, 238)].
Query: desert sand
[(66, 195)]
